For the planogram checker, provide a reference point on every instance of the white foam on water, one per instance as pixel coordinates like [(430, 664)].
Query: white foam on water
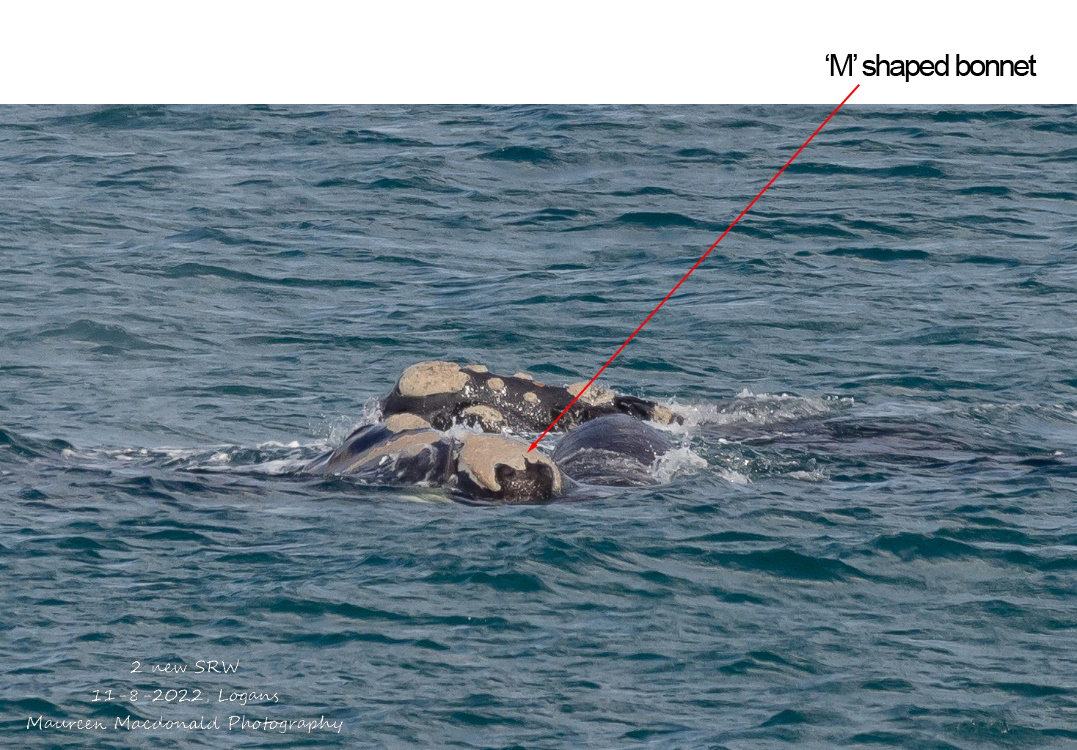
[(734, 477), (280, 457), (681, 460), (748, 408), (333, 430), (807, 476), (162, 453), (430, 497), (278, 466)]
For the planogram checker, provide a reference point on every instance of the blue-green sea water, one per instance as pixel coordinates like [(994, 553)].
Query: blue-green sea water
[(866, 538)]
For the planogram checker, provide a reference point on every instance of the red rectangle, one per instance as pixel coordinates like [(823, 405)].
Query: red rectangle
[(673, 93)]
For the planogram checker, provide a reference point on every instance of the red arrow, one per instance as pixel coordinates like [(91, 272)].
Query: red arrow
[(772, 179)]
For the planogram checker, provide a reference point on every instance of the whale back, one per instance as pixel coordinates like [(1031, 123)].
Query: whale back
[(380, 455), (614, 450)]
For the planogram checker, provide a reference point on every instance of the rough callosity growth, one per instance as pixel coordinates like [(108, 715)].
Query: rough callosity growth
[(444, 394), (431, 378), (596, 395), (486, 418), (501, 467), (405, 421)]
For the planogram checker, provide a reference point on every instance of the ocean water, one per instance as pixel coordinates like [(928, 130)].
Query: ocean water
[(866, 537)]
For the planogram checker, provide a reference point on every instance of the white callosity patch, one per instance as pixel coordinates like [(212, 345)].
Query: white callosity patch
[(596, 395), (662, 415), (430, 378), (480, 455), (523, 376), (496, 384), (477, 368), (531, 398), (406, 421), (489, 417)]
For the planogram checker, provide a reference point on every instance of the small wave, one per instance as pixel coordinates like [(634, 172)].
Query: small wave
[(197, 270), (548, 215), (209, 234), (882, 254), (118, 117), (410, 183), (660, 219), (790, 564), (524, 154), (1053, 196), (238, 389), (1064, 128), (109, 338), (923, 170), (646, 190), (994, 190), (510, 581), (28, 447), (879, 228), (909, 545), (992, 115), (708, 156), (778, 228), (363, 137), (988, 260)]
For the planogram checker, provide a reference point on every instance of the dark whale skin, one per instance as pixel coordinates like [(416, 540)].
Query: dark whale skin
[(615, 450)]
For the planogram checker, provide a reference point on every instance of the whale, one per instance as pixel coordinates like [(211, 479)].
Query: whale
[(406, 450), (452, 426)]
